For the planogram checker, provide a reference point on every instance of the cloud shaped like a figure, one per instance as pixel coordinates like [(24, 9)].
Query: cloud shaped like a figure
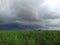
[(40, 13)]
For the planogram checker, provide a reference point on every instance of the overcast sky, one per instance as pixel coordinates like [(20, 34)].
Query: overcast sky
[(44, 13)]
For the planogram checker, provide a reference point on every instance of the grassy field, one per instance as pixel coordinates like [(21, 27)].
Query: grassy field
[(29, 37)]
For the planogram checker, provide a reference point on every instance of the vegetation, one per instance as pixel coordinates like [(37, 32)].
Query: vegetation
[(29, 37)]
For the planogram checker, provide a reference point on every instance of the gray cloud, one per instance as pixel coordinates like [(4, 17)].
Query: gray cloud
[(30, 12), (51, 15), (20, 11)]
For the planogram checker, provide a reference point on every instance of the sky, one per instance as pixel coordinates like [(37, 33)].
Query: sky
[(44, 14)]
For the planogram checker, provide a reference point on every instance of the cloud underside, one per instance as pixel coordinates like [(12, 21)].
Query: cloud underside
[(30, 13)]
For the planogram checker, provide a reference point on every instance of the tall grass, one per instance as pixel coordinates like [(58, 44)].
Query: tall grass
[(29, 37)]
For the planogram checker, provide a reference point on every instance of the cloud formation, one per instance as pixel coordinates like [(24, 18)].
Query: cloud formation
[(51, 13), (44, 14)]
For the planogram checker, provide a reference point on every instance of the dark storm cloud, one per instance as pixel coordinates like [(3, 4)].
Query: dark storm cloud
[(19, 10), (30, 13), (24, 12)]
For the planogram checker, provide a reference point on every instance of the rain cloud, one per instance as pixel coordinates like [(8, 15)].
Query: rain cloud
[(36, 14)]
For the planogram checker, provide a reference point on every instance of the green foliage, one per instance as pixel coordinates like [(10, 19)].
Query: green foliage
[(29, 37)]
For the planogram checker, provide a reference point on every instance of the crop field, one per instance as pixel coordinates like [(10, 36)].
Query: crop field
[(29, 37)]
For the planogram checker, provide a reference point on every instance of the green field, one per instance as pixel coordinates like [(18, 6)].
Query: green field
[(29, 37)]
